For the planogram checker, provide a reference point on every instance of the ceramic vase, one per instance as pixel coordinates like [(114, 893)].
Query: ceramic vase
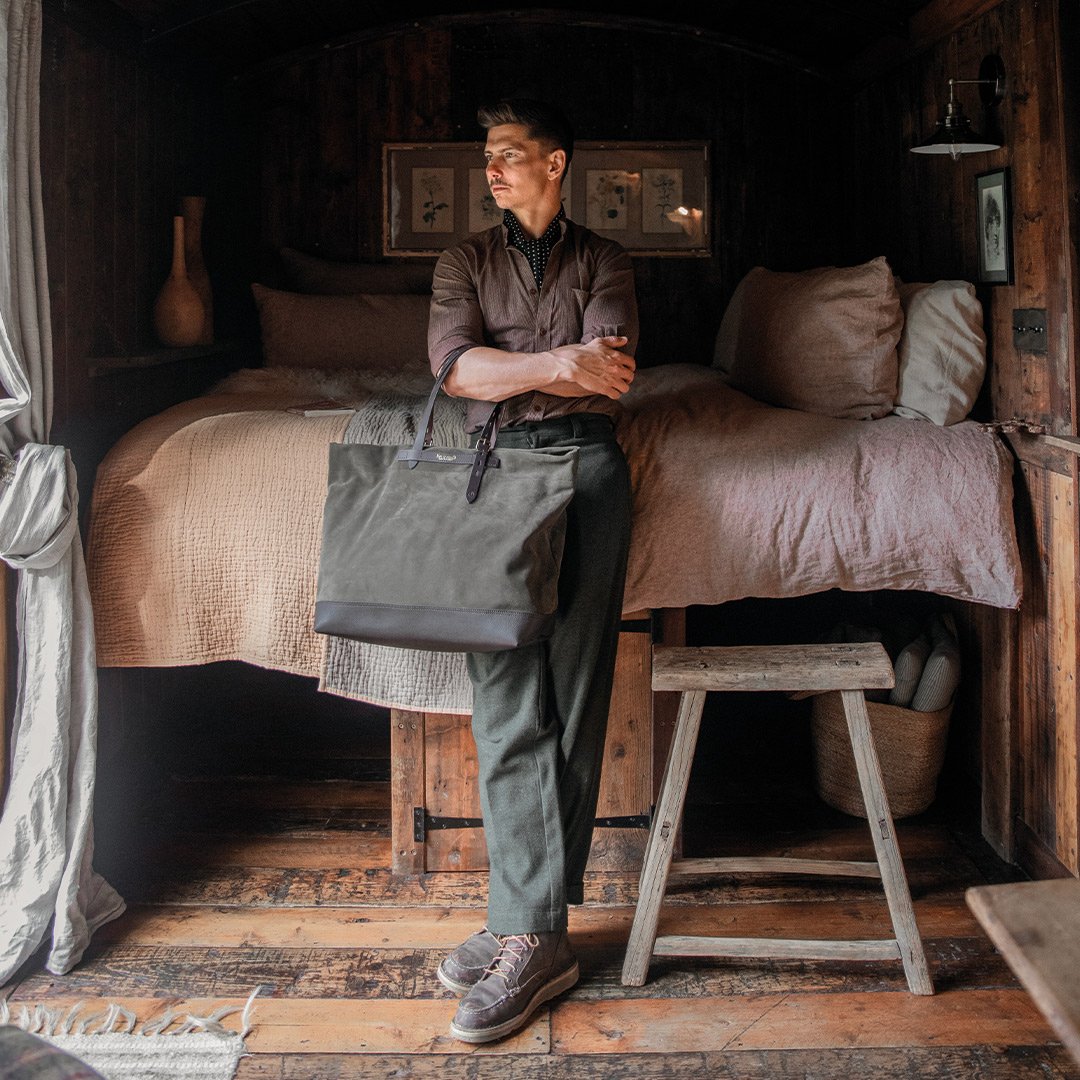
[(178, 311), (193, 207)]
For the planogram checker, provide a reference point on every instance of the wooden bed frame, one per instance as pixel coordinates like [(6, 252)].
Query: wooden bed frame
[(435, 795)]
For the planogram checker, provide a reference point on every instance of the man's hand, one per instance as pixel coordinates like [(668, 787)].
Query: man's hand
[(595, 368)]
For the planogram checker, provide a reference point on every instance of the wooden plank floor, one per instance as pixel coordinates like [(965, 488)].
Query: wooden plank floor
[(263, 876)]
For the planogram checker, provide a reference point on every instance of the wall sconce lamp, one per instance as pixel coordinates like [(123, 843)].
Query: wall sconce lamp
[(954, 135)]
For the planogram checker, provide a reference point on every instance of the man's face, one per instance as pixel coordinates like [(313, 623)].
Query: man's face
[(519, 172)]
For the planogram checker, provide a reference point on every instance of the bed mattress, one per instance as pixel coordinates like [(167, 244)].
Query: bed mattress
[(205, 526)]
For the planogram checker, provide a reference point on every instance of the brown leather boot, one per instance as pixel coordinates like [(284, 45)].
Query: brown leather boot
[(465, 966), (528, 970)]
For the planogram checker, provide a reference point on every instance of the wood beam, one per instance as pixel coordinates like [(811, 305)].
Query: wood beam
[(926, 27)]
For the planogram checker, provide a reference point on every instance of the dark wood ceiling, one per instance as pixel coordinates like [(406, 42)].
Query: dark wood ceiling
[(237, 35)]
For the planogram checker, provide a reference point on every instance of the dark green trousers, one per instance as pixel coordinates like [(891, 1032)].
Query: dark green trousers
[(540, 712)]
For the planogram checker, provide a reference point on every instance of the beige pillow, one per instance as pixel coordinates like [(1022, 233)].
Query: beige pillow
[(383, 333), (823, 341), (312, 274), (942, 352)]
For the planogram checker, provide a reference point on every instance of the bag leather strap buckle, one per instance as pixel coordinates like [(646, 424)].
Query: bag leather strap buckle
[(484, 446)]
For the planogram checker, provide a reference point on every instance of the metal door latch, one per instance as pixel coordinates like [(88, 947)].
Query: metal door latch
[(1029, 329)]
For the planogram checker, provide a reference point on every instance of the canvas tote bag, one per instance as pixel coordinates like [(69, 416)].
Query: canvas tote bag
[(442, 548)]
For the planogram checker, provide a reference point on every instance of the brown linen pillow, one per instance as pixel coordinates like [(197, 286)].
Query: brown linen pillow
[(379, 333), (823, 341), (325, 277)]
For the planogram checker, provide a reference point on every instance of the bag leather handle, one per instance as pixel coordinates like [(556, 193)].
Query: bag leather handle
[(425, 434)]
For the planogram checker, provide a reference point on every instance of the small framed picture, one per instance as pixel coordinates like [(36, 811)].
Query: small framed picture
[(995, 227)]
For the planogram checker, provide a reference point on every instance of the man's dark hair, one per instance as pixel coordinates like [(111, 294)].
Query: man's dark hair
[(545, 123)]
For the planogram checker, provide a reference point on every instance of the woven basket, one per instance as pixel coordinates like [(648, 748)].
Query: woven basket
[(910, 746)]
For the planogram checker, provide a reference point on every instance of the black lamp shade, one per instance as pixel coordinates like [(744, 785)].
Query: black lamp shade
[(954, 136)]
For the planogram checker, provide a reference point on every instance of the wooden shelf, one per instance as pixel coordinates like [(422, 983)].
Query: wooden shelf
[(110, 365)]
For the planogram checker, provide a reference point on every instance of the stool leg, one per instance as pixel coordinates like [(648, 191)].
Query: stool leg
[(884, 835), (658, 850)]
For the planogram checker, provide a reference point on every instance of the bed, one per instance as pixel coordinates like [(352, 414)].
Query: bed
[(825, 447), (204, 530)]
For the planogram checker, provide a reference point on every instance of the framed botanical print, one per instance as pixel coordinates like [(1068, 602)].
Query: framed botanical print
[(651, 197)]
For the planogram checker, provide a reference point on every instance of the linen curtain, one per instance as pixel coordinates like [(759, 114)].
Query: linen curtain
[(46, 831)]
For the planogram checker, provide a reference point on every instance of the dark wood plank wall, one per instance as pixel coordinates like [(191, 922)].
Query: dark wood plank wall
[(920, 212), (121, 141), (320, 123)]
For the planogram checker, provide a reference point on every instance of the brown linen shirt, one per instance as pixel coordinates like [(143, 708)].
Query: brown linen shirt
[(484, 294)]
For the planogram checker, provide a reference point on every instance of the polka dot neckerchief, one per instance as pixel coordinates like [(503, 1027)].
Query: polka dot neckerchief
[(535, 250)]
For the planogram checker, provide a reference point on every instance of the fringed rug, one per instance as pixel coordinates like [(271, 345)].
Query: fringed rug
[(173, 1046)]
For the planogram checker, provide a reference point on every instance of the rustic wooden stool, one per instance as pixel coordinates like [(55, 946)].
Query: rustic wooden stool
[(848, 669)]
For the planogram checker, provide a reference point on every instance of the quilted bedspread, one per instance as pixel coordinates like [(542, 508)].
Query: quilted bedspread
[(205, 524)]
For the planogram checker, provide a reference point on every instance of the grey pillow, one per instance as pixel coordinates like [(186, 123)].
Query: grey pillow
[(941, 676), (910, 662)]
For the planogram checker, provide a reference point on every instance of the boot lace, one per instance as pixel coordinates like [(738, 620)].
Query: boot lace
[(513, 950)]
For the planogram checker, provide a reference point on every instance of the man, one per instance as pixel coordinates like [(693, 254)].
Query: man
[(543, 317)]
